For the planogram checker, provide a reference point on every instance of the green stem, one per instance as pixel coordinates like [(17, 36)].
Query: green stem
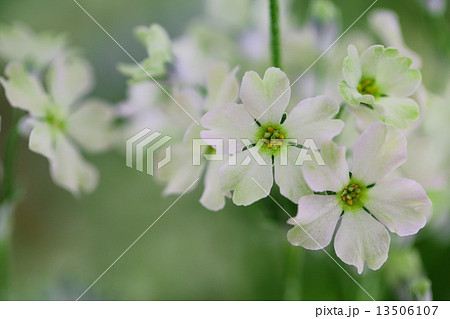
[(293, 273), (275, 41)]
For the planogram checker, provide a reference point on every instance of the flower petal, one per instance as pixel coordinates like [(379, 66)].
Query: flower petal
[(180, 172), (313, 119), (230, 121), (401, 204), (213, 198), (361, 238), (249, 182), (398, 111), (395, 78), (222, 86), (70, 171), (24, 90), (69, 80), (332, 176), (289, 177), (352, 67), (91, 126), (266, 99), (378, 151), (372, 57), (315, 222), (41, 139)]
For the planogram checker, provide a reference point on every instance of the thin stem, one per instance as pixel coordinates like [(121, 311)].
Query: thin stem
[(293, 273), (275, 41)]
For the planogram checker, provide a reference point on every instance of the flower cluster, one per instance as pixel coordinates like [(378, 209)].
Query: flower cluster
[(274, 129)]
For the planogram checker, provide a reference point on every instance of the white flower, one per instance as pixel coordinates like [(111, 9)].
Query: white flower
[(384, 23), (367, 202), (58, 119), (310, 119), (379, 83), (157, 42), (222, 87), (19, 43)]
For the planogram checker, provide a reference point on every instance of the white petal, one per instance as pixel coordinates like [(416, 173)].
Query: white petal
[(180, 172), (352, 67), (401, 204), (312, 119), (42, 139), (230, 121), (249, 182), (395, 78), (315, 222), (266, 99), (24, 90), (332, 176), (91, 125), (222, 86), (290, 177), (361, 238), (378, 151), (213, 198), (398, 111), (69, 79), (372, 57), (69, 170)]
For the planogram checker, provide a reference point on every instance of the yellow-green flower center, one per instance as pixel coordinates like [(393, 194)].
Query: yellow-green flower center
[(353, 195), (368, 86), (271, 137), (55, 121)]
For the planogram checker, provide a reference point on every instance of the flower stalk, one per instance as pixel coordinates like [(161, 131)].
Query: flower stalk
[(275, 41)]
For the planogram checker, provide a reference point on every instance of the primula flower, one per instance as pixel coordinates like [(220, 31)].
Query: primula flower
[(310, 119), (36, 50), (159, 49), (366, 201), (379, 83), (222, 87), (58, 119)]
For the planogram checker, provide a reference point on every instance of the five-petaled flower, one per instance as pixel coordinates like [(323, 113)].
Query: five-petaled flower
[(261, 120), (366, 200), (58, 118), (378, 85)]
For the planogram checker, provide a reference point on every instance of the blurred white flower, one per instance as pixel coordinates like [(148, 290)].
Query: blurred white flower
[(385, 24), (58, 119), (36, 50), (378, 85), (159, 50), (366, 200), (435, 6), (310, 119), (222, 88)]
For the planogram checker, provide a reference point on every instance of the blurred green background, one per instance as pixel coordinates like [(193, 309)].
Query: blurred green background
[(61, 244)]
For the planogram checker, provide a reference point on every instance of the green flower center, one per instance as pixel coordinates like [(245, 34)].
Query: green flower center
[(352, 196), (271, 137), (56, 121), (368, 86)]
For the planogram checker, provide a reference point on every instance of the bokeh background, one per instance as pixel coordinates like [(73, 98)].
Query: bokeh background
[(61, 244)]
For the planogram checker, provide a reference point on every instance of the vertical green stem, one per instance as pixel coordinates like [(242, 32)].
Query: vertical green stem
[(293, 273), (275, 41)]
